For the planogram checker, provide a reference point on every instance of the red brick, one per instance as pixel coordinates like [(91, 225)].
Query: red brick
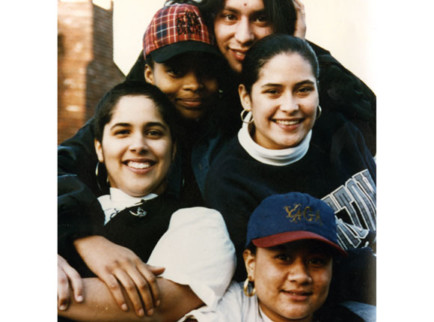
[(85, 62)]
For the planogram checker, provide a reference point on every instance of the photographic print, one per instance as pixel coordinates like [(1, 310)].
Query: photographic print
[(216, 160)]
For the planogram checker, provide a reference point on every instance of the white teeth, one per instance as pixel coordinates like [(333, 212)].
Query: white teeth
[(287, 122), (239, 55), (139, 165)]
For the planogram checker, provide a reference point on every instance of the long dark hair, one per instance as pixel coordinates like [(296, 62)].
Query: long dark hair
[(281, 14)]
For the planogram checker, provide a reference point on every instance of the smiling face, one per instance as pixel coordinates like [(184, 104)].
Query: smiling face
[(292, 280), (136, 147), (189, 80), (238, 26), (283, 101)]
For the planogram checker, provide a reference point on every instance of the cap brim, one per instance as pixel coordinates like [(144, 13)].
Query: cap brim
[(167, 52), (286, 237)]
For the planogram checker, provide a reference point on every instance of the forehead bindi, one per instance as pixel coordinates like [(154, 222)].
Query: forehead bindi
[(252, 6)]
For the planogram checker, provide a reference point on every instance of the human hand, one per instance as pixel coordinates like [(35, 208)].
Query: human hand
[(300, 23), (67, 279), (118, 266)]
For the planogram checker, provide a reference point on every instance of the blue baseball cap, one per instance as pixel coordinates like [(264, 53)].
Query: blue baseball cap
[(284, 218)]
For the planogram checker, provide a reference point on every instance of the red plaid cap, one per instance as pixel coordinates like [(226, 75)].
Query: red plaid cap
[(177, 29)]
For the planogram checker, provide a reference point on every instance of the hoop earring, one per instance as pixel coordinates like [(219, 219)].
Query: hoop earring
[(97, 170), (249, 288), (319, 112), (243, 115), (220, 93)]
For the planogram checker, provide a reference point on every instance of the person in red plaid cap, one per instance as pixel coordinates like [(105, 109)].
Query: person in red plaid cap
[(228, 19), (180, 57), (182, 60), (238, 24)]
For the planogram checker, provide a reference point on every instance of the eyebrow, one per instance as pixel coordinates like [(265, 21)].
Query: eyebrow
[(149, 124), (120, 125), (271, 85), (307, 82)]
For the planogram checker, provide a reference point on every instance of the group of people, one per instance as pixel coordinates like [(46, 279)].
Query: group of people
[(232, 140)]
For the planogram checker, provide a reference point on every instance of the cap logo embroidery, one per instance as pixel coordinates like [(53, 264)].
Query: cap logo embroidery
[(297, 215), (188, 23)]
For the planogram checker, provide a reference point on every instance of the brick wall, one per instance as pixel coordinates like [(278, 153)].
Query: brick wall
[(85, 62)]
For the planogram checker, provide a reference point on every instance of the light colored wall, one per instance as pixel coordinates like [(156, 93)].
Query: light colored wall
[(130, 19), (344, 27)]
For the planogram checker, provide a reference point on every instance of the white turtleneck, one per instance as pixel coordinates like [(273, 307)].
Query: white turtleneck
[(280, 157)]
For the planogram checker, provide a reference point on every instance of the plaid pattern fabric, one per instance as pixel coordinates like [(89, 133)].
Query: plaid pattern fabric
[(173, 24)]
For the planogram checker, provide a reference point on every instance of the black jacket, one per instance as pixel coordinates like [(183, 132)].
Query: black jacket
[(337, 168), (340, 91)]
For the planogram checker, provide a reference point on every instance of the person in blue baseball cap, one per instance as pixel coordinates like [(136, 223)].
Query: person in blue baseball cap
[(291, 242), (290, 249)]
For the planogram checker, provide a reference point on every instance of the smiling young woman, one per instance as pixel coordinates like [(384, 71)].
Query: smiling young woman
[(283, 147), (283, 101), (290, 249), (136, 147), (292, 280), (210, 120), (238, 26), (135, 140)]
